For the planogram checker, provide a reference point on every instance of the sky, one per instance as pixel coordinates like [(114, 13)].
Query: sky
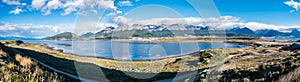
[(41, 18)]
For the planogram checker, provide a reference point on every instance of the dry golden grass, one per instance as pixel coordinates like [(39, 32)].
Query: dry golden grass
[(24, 61), (291, 77), (262, 64), (18, 57), (23, 69), (11, 65)]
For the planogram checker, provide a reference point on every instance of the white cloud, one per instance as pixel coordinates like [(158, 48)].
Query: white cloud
[(111, 14), (94, 11), (119, 12), (74, 6), (114, 13), (29, 30), (106, 4), (51, 5), (121, 20), (294, 4), (38, 4), (68, 6), (217, 22), (13, 2), (16, 11), (257, 26), (71, 6), (125, 3), (190, 20)]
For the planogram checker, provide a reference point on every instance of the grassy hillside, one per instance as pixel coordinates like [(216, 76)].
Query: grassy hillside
[(64, 36)]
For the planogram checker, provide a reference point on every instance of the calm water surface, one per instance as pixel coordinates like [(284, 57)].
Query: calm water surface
[(131, 51), (283, 38)]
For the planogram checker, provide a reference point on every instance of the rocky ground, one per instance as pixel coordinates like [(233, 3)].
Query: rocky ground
[(260, 63)]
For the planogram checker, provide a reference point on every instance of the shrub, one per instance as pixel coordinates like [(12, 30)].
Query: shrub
[(24, 61), (18, 57)]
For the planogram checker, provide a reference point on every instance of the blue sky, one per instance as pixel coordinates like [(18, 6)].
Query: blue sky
[(265, 11), (277, 13)]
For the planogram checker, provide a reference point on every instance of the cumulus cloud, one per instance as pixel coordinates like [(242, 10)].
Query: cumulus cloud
[(111, 14), (294, 4), (114, 13), (16, 11), (121, 20), (13, 2), (74, 6), (29, 30), (70, 6), (214, 21), (106, 4), (38, 4), (119, 12), (217, 22), (125, 3), (51, 5), (258, 26)]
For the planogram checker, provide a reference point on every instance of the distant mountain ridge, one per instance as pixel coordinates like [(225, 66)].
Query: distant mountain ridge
[(244, 30), (172, 30), (295, 33), (270, 33), (106, 31), (87, 35)]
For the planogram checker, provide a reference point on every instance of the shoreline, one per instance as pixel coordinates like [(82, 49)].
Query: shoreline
[(248, 43), (141, 42), (170, 65), (70, 56)]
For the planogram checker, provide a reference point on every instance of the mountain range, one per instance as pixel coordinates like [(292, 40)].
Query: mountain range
[(174, 30)]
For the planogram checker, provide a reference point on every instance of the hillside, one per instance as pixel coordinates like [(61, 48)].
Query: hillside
[(63, 36), (87, 35)]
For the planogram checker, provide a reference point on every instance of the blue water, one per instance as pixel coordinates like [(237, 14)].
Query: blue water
[(131, 51), (283, 38)]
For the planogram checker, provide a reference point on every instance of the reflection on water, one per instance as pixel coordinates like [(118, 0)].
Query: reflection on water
[(131, 51)]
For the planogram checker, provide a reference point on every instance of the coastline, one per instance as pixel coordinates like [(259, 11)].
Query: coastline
[(248, 42), (52, 58), (129, 42), (170, 64)]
